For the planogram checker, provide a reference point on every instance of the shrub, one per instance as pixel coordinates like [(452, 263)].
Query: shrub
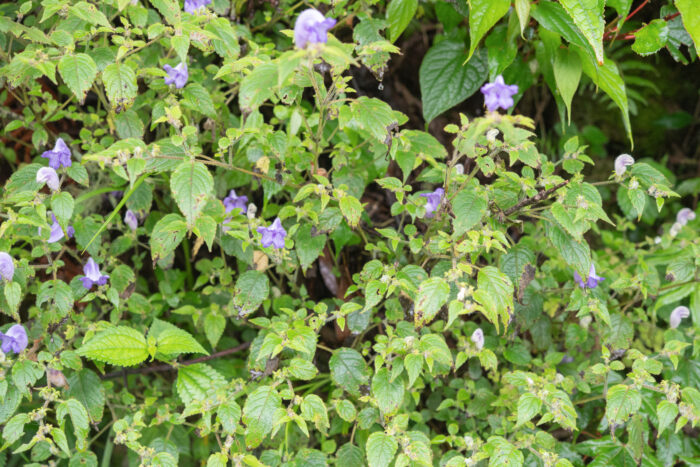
[(218, 245)]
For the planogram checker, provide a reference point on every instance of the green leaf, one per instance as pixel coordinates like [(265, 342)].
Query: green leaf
[(62, 206), (371, 115), (502, 453), (129, 125), (120, 345), (622, 402), (445, 79), (191, 184), (120, 83), (78, 72), (513, 263), (413, 363), (78, 415), (13, 295), (172, 341), (181, 44), (59, 437), (314, 410), (252, 287), (350, 455), (380, 449), (522, 8), (666, 412), (576, 254), (432, 295), (607, 77), (225, 40), (529, 405), (196, 97), (86, 387), (205, 228), (389, 394), (567, 74), (302, 369), (469, 208), (588, 17), (58, 294), (495, 294), (349, 370), (229, 414), (259, 414), (308, 246), (167, 235), (690, 14), (89, 12), (351, 209), (170, 10), (258, 86), (14, 428), (214, 325), (346, 410), (651, 37), (399, 14), (197, 382), (26, 373), (483, 14)]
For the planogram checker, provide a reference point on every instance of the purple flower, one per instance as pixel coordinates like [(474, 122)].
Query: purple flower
[(592, 280), (684, 216), (14, 340), (677, 315), (7, 267), (93, 275), (57, 231), (434, 200), (191, 6), (478, 339), (177, 76), (49, 176), (311, 27), (621, 163), (59, 156), (131, 220), (499, 94), (232, 202), (273, 235)]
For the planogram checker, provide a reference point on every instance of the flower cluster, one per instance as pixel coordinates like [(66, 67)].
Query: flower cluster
[(192, 6), (48, 176), (177, 76), (622, 162)]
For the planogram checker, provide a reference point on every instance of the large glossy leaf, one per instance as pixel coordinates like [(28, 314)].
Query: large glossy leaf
[(588, 17), (483, 14), (445, 80)]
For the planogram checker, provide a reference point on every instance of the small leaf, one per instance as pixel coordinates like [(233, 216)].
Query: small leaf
[(432, 295), (348, 370), (191, 184), (79, 72), (528, 406), (483, 14), (399, 13), (381, 449), (119, 345)]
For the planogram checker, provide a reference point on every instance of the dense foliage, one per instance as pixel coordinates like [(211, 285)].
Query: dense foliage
[(399, 233)]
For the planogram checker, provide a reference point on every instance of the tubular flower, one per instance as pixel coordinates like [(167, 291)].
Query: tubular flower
[(232, 201), (434, 200), (93, 275), (273, 235), (177, 76), (499, 94), (591, 281), (14, 340), (677, 316), (684, 216), (49, 176), (7, 267), (311, 27), (131, 220), (191, 6), (621, 163), (59, 156), (478, 338)]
